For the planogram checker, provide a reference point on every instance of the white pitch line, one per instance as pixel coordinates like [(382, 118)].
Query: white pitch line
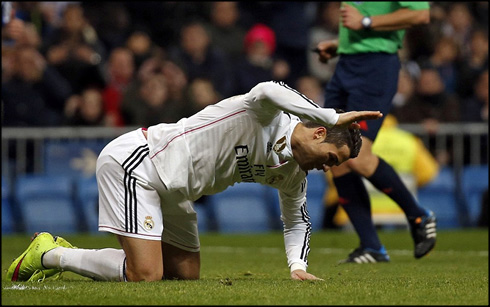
[(273, 250), (29, 287)]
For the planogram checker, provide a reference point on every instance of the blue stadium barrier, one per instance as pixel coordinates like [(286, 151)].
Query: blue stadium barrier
[(71, 157), (8, 218), (87, 199), (440, 197), (474, 183), (241, 208), (46, 203), (317, 185), (272, 200)]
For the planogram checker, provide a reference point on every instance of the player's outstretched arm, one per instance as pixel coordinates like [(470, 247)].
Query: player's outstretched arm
[(302, 275), (348, 118)]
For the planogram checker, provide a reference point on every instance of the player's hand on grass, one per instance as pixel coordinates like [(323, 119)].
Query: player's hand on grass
[(351, 118), (302, 275)]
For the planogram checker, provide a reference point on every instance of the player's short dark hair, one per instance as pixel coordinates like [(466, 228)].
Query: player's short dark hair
[(340, 136)]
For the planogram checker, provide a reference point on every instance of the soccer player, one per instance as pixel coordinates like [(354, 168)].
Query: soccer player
[(366, 78), (149, 178)]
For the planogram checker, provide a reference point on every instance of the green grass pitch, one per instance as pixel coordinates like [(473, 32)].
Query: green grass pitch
[(251, 269)]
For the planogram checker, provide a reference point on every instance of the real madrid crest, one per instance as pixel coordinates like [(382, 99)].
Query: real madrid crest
[(148, 223), (280, 145)]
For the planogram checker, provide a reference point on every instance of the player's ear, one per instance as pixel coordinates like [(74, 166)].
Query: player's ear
[(320, 133)]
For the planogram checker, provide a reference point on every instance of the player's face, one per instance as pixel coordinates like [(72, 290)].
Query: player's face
[(314, 153), (311, 152), (324, 156)]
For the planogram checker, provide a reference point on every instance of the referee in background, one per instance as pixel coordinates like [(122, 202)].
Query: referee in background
[(366, 78)]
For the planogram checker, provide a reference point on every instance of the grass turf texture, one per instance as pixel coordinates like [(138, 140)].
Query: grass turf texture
[(252, 270)]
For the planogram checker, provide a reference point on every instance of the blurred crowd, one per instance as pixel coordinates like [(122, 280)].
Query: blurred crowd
[(142, 63)]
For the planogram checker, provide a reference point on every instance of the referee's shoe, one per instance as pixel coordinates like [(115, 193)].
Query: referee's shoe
[(423, 230), (366, 255)]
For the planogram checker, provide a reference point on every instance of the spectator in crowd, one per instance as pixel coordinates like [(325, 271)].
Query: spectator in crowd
[(142, 47), (112, 21), (474, 63), (199, 59), (325, 27), (479, 12), (75, 50), (201, 93), (260, 63), (459, 25), (33, 12), (86, 109), (430, 106), (119, 73), (36, 93), (166, 18), (16, 31), (291, 38), (312, 88), (225, 31), (475, 108), (12, 27), (445, 60), (152, 105), (177, 82), (405, 91)]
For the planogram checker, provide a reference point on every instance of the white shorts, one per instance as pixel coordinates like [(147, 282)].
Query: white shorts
[(134, 202)]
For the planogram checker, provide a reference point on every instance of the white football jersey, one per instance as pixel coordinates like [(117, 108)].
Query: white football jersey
[(245, 138)]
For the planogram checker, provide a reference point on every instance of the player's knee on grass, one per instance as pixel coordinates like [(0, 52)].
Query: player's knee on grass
[(143, 273), (181, 275), (180, 264)]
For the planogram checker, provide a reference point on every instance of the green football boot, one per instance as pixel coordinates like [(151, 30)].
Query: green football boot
[(28, 266), (40, 275)]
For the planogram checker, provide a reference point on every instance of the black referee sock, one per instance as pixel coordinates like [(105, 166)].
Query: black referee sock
[(389, 182), (354, 198)]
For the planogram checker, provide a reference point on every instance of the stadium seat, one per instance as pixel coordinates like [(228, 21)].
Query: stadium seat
[(46, 203), (241, 208), (7, 213), (474, 183), (72, 157), (87, 199), (317, 185), (440, 197)]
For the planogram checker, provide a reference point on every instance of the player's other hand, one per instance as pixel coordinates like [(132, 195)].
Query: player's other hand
[(351, 118), (302, 275)]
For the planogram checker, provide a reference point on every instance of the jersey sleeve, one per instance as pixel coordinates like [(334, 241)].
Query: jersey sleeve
[(266, 99), (297, 226)]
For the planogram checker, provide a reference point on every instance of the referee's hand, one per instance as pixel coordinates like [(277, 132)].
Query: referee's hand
[(302, 275), (351, 118)]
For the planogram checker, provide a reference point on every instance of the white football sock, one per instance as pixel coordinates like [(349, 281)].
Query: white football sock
[(99, 264)]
